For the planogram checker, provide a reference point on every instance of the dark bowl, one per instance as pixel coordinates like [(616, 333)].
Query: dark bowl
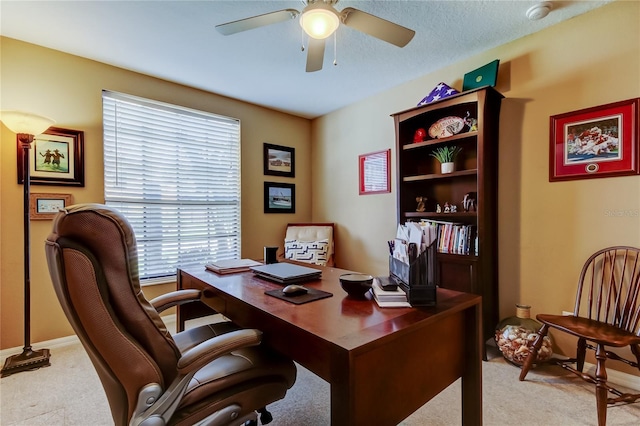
[(356, 285)]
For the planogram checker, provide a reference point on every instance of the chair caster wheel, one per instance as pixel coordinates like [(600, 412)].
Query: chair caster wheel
[(265, 416)]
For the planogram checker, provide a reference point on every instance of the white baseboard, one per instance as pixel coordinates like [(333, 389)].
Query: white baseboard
[(49, 344), (617, 377), (169, 320)]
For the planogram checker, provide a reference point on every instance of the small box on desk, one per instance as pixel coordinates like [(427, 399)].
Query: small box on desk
[(418, 279)]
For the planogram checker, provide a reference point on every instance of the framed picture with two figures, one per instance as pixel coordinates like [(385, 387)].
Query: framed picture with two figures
[(56, 158)]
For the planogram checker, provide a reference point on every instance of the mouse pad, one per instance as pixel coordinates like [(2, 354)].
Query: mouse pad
[(312, 295)]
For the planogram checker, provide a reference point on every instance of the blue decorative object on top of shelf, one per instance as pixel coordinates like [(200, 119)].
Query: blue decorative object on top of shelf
[(441, 91)]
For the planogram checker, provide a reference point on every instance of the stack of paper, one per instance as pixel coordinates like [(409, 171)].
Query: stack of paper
[(412, 234), (229, 266), (389, 299)]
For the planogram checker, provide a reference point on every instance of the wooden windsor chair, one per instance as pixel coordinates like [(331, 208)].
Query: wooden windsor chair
[(606, 314)]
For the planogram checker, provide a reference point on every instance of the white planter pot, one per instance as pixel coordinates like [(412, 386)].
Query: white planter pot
[(446, 167)]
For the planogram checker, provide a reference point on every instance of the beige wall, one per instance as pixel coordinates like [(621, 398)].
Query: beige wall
[(68, 89), (546, 230)]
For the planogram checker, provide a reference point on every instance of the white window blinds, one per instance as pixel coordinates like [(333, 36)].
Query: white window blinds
[(174, 173)]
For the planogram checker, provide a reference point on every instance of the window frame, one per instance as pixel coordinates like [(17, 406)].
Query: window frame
[(198, 218)]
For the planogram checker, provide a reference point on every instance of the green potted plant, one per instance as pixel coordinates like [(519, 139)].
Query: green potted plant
[(446, 155)]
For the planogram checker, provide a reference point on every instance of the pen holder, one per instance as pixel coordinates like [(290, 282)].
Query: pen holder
[(417, 280)]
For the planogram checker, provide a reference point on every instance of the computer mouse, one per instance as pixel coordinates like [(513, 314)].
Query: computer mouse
[(294, 290)]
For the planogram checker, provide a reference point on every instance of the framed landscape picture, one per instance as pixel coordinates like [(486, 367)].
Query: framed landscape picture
[(46, 206), (279, 197), (57, 158), (602, 141), (279, 160)]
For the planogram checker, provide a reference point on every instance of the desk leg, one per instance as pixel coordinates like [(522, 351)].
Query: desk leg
[(342, 399), (189, 311), (472, 374), (180, 313)]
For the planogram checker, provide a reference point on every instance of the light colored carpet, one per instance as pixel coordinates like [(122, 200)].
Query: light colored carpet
[(69, 393)]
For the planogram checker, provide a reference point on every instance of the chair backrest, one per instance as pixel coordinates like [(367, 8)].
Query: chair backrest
[(301, 242), (609, 287), (93, 263)]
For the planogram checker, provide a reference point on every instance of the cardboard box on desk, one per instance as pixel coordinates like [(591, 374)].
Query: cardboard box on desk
[(418, 279)]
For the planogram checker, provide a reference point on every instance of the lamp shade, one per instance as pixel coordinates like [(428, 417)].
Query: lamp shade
[(319, 20), (25, 122)]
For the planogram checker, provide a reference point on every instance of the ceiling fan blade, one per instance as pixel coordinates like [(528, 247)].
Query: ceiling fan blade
[(257, 21), (376, 27), (315, 54)]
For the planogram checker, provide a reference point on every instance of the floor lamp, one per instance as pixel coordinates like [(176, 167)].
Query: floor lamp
[(26, 126)]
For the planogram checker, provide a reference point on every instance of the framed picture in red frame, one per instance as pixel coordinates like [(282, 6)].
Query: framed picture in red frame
[(596, 142), (375, 172)]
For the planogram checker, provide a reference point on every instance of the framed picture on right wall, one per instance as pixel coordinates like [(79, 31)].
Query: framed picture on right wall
[(596, 142)]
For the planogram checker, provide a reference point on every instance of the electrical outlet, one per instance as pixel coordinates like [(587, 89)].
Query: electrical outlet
[(567, 313)]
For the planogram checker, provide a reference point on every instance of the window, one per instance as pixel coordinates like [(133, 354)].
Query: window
[(174, 173)]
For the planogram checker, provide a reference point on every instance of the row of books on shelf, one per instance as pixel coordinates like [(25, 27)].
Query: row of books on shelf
[(457, 238)]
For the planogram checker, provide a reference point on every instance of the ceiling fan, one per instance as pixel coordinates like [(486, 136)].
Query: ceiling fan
[(319, 19)]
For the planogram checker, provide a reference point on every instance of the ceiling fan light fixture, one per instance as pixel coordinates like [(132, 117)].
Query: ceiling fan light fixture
[(319, 20)]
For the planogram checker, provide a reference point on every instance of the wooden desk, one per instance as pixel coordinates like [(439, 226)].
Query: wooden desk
[(382, 364)]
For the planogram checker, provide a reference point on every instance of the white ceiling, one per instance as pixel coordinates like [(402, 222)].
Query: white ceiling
[(176, 41)]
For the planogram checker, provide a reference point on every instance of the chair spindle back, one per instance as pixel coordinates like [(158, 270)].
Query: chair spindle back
[(609, 287)]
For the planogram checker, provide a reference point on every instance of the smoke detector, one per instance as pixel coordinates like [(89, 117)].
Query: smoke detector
[(539, 10)]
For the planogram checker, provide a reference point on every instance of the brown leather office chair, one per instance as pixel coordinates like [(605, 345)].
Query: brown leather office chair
[(218, 372), (606, 313)]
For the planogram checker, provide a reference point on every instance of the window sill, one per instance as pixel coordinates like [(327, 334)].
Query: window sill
[(158, 281)]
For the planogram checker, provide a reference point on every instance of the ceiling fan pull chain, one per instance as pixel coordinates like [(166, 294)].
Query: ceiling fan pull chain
[(302, 39), (335, 48)]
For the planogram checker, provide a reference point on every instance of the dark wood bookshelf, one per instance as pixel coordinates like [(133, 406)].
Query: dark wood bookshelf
[(418, 145), (476, 170), (444, 217), (440, 175)]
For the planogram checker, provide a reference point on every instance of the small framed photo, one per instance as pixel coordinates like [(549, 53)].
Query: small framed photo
[(279, 160), (595, 142), (57, 158), (46, 206), (279, 197), (375, 173)]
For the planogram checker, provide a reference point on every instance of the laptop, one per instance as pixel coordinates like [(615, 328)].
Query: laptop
[(286, 273)]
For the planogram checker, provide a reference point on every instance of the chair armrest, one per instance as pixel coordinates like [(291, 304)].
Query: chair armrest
[(175, 298), (155, 403), (202, 354)]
